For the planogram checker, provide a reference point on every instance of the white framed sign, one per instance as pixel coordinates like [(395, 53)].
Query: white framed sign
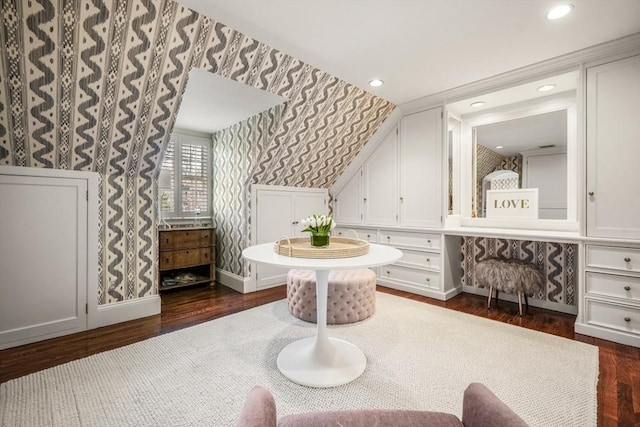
[(513, 203)]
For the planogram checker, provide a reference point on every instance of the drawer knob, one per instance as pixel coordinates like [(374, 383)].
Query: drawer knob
[(627, 259), (388, 237), (428, 280), (369, 235), (339, 233), (627, 288), (591, 193), (388, 273), (627, 319)]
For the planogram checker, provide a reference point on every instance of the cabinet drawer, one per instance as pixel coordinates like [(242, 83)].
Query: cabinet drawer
[(166, 260), (186, 257), (613, 316), (188, 238), (206, 255), (612, 285), (423, 278), (623, 259), (421, 259), (364, 234), (410, 239)]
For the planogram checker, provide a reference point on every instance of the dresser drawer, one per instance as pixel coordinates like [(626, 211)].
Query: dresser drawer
[(410, 239), (186, 257), (614, 258), (363, 234), (206, 255), (420, 259), (423, 278), (613, 316), (166, 260), (190, 238), (612, 285)]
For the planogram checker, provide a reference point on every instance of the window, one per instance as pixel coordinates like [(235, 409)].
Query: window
[(188, 160)]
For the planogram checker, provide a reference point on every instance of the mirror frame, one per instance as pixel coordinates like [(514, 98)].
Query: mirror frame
[(563, 101)]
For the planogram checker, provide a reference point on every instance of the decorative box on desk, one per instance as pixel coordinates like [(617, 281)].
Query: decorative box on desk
[(187, 257)]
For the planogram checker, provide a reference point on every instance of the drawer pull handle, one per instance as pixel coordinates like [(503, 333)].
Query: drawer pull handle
[(627, 319), (591, 193), (627, 259), (627, 288), (368, 235), (428, 260), (388, 273), (388, 237), (428, 280)]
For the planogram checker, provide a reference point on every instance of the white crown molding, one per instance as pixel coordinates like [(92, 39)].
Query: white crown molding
[(625, 45)]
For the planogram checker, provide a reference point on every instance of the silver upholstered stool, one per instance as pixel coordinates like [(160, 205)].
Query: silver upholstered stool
[(511, 276), (351, 295)]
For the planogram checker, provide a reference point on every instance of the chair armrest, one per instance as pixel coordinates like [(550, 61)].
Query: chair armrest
[(481, 408), (259, 410)]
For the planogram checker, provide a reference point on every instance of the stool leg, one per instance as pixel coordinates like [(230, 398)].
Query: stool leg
[(489, 300), (520, 303), (497, 293), (526, 304)]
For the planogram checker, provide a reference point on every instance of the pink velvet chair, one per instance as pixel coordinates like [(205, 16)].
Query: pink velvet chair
[(480, 408)]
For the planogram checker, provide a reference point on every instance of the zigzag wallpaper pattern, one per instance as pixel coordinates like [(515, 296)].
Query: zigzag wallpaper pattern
[(94, 85), (558, 262), (235, 153)]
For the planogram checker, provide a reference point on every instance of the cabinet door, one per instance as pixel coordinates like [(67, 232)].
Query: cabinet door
[(306, 205), (381, 183), (613, 149), (348, 203), (421, 169)]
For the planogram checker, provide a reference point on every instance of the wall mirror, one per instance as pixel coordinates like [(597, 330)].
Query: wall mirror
[(518, 156)]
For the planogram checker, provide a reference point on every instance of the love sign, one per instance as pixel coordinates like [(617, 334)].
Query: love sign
[(515, 203)]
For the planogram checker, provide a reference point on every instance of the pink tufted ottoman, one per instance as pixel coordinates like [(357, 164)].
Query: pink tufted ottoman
[(351, 295)]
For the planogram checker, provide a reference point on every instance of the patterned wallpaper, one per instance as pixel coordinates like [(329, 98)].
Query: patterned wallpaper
[(558, 261), (235, 153), (95, 85)]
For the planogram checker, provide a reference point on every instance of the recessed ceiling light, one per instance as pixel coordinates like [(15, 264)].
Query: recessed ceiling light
[(375, 82), (559, 12), (477, 104), (499, 146), (546, 88)]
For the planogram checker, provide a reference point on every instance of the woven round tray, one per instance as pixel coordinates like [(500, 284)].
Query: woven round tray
[(338, 247)]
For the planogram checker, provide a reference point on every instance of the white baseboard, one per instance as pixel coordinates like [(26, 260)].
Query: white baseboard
[(555, 306), (124, 311), (233, 281), (607, 334), (431, 293)]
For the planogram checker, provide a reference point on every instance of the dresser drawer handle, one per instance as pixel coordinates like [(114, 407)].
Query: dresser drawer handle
[(388, 273), (627, 288), (428, 260), (428, 280), (429, 241), (627, 319), (388, 237), (627, 259)]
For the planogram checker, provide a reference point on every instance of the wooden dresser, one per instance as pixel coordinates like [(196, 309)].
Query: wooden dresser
[(186, 257)]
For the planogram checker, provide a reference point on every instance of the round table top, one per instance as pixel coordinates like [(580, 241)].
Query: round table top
[(378, 255)]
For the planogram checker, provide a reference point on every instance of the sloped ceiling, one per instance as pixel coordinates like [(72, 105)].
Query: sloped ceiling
[(95, 85)]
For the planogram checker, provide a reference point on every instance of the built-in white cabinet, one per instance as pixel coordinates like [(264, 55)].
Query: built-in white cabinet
[(380, 203), (610, 294), (347, 205), (400, 183), (421, 169), (613, 149), (277, 213)]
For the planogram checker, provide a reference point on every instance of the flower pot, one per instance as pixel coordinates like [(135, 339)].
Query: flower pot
[(319, 240)]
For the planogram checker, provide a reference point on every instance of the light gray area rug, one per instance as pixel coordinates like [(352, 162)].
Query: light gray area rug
[(419, 357)]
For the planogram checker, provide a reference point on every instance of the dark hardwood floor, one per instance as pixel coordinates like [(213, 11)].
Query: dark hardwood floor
[(618, 386)]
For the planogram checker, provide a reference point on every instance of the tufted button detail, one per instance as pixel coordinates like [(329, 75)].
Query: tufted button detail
[(351, 295)]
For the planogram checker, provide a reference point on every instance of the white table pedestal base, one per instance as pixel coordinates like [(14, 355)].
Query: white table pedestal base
[(306, 363)]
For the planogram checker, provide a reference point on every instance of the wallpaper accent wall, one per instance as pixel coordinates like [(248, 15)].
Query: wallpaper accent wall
[(486, 161), (558, 261), (235, 154), (94, 85)]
